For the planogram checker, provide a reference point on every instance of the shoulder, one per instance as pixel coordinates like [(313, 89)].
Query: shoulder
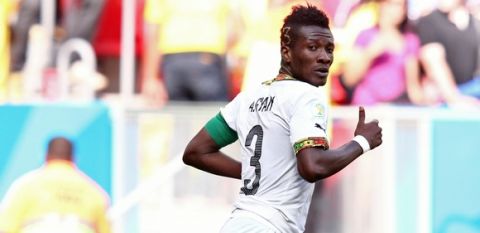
[(23, 186), (430, 28), (94, 188), (233, 106), (27, 179), (311, 90), (292, 90), (295, 87), (366, 36), (301, 93), (411, 38), (430, 18)]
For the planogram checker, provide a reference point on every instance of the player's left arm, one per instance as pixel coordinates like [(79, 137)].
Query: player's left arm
[(316, 162), (203, 151)]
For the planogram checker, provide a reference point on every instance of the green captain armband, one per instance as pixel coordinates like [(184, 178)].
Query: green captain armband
[(220, 132)]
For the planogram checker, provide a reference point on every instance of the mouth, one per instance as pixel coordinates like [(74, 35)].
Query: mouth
[(322, 72)]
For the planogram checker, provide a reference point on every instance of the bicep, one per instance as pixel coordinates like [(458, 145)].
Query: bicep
[(317, 163), (204, 153), (202, 143), (307, 162)]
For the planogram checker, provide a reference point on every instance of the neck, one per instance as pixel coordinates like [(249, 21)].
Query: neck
[(59, 161), (284, 69), (54, 159)]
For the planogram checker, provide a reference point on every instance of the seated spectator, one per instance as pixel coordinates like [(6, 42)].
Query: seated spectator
[(76, 19), (107, 42), (6, 10), (383, 66), (363, 15), (55, 198), (34, 47), (449, 52)]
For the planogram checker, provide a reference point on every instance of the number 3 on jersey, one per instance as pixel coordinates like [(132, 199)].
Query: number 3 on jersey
[(254, 160)]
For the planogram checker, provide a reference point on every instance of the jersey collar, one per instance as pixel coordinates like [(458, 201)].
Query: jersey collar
[(280, 77)]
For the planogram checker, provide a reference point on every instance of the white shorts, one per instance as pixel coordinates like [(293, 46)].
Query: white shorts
[(243, 221)]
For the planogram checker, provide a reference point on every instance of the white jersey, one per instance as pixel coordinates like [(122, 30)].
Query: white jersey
[(269, 121)]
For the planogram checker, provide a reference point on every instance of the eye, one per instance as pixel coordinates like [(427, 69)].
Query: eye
[(330, 49), (312, 47)]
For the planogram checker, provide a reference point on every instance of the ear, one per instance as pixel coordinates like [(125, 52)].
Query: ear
[(286, 54)]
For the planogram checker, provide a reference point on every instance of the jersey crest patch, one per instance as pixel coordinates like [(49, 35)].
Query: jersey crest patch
[(318, 110)]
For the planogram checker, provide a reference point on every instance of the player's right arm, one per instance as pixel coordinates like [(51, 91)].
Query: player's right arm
[(316, 163), (203, 151)]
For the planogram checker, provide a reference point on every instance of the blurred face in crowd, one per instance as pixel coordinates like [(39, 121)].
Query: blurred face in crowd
[(449, 5), (310, 56), (393, 12)]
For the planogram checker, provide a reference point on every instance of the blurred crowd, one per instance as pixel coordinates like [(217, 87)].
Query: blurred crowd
[(400, 52)]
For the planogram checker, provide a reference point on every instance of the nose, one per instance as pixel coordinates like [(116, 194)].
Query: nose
[(324, 57)]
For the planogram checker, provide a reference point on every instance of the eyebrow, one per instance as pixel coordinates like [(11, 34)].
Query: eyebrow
[(329, 40)]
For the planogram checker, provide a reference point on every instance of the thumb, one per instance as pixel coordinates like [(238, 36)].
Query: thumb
[(361, 115)]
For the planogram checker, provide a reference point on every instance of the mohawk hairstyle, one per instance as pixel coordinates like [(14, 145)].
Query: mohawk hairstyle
[(301, 15)]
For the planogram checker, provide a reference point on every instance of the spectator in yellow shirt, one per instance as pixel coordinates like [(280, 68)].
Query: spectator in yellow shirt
[(186, 44), (6, 10), (55, 198)]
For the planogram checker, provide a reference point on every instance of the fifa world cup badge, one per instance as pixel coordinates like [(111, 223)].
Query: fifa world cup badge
[(318, 110)]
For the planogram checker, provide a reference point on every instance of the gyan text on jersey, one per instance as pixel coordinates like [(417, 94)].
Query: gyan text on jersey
[(262, 104)]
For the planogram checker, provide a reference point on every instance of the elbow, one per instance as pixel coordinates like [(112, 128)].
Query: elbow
[(314, 174), (187, 160), (322, 173), (188, 156)]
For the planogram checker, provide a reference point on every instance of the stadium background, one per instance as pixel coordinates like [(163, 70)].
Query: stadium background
[(424, 178)]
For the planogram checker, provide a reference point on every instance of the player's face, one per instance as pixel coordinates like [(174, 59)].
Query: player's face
[(311, 55)]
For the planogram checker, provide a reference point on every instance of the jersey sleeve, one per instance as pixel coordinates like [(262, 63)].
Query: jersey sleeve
[(308, 123), (230, 112), (220, 132)]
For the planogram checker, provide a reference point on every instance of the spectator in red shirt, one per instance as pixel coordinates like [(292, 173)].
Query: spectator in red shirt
[(107, 41)]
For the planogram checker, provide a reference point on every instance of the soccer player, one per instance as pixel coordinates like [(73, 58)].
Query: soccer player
[(281, 127)]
